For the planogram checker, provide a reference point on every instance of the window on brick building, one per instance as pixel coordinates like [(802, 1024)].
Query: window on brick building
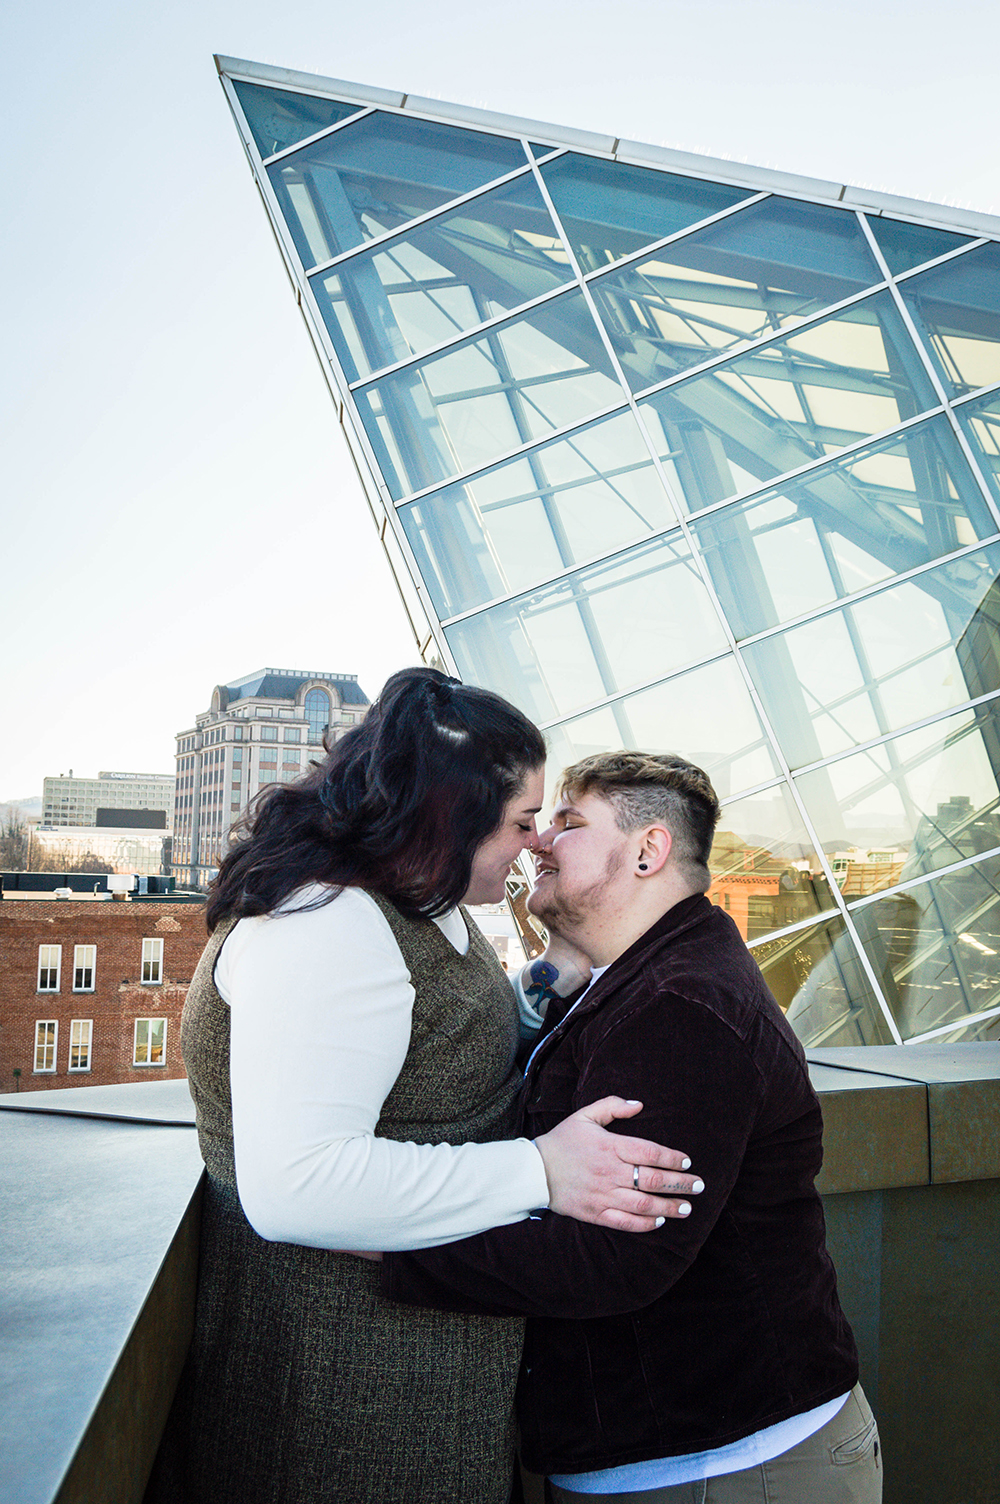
[(49, 962), (80, 1031), (46, 1035), (150, 1042), (152, 961), (84, 959)]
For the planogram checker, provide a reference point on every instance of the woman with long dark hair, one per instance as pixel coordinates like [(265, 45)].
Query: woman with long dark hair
[(350, 1038)]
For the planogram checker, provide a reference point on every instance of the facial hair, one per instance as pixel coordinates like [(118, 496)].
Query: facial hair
[(566, 916)]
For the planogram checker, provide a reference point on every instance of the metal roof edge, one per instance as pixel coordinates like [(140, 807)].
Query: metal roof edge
[(313, 83), (514, 125), (946, 216), (637, 153), (641, 154)]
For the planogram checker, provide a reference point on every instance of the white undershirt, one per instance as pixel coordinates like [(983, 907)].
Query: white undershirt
[(321, 1007)]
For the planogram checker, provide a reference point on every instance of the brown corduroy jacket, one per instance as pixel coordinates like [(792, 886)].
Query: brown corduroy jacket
[(711, 1328)]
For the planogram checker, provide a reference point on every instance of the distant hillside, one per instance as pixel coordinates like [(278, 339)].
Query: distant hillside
[(31, 809)]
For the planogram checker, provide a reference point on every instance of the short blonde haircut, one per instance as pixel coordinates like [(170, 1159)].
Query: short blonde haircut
[(648, 788)]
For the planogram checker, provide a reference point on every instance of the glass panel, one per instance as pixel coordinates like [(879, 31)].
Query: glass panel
[(477, 263), (582, 637), (567, 501), (956, 307), (905, 246), (706, 715), (459, 410), (377, 174), (859, 520), (987, 1028), (817, 977), (936, 948), (766, 873), (609, 210), (279, 118), (787, 403), (157, 1036), (981, 421), (909, 806), (922, 646), (748, 276)]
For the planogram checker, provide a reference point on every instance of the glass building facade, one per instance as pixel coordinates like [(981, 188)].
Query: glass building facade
[(684, 455)]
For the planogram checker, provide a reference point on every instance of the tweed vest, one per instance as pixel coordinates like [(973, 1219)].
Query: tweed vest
[(305, 1383)]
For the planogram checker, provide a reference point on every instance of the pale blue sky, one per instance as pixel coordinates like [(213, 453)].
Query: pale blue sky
[(179, 504)]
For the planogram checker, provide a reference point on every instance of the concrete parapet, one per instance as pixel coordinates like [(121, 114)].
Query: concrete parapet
[(911, 1187)]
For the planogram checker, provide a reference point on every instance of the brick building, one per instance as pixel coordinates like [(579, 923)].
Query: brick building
[(91, 991)]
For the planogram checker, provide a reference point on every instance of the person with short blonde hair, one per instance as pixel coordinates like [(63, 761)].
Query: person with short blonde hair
[(709, 1363)]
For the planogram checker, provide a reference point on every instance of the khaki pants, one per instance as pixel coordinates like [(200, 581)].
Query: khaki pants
[(839, 1464)]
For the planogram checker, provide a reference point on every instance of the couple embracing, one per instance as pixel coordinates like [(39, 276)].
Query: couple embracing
[(351, 1045)]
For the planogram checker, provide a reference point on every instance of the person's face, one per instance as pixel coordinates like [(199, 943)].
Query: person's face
[(577, 861), (491, 864)]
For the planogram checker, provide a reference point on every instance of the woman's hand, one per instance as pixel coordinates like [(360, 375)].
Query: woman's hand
[(592, 1173)]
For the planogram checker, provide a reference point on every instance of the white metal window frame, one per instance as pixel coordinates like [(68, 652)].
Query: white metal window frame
[(85, 962), (46, 1048), (81, 1033), (152, 962), (146, 1026), (46, 965)]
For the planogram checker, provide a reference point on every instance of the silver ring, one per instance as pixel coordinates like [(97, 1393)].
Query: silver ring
[(635, 1177)]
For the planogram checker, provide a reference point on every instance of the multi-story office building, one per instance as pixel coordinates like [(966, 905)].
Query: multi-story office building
[(261, 729), (684, 454), (76, 801)]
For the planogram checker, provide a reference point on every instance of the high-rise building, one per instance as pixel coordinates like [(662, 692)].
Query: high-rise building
[(683, 454), (260, 729)]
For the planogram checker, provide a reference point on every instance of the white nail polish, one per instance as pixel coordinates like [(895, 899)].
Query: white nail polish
[(685, 1163), (633, 1102), (660, 1221), (684, 1210), (697, 1187)]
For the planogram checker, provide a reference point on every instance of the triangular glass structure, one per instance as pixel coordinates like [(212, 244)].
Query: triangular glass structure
[(659, 453)]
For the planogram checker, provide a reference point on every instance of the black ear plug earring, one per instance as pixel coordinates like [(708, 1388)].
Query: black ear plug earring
[(643, 867)]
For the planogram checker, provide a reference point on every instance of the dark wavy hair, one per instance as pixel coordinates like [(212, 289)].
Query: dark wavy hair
[(399, 804)]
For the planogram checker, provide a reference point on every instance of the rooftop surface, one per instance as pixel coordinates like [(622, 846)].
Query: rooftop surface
[(91, 1196), (97, 1181)]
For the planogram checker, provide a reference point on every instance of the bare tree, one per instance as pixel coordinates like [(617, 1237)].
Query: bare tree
[(15, 840)]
